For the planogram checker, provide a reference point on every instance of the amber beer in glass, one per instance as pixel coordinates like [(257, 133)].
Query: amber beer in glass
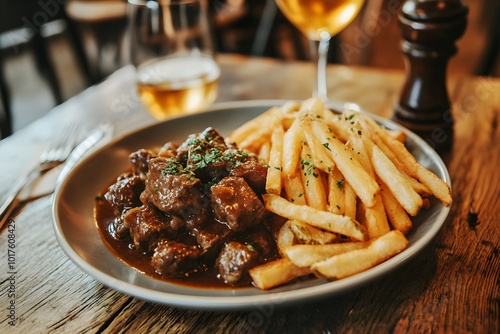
[(171, 48)]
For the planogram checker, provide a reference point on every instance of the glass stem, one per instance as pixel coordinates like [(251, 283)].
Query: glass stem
[(319, 53)]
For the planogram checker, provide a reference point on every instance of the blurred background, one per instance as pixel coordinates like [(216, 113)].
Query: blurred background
[(51, 50)]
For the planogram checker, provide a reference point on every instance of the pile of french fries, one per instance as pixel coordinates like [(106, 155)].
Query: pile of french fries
[(347, 186)]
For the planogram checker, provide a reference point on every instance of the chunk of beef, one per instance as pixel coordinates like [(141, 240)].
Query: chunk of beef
[(234, 262), (174, 259), (176, 194), (211, 237), (254, 174), (117, 228), (205, 155), (147, 225), (261, 239), (125, 193), (168, 150), (236, 204), (139, 160)]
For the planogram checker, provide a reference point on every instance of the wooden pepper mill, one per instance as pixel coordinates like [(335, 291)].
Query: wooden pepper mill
[(429, 29)]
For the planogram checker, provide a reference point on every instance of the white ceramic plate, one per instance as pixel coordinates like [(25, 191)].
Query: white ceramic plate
[(78, 236)]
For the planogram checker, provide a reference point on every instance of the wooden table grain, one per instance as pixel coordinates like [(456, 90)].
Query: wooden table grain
[(452, 286)]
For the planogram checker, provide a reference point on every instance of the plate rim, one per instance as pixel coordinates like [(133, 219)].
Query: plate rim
[(239, 302)]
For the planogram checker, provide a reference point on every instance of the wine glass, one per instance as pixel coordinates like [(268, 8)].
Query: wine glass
[(172, 49), (319, 21)]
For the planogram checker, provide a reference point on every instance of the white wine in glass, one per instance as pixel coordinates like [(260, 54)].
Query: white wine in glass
[(319, 21)]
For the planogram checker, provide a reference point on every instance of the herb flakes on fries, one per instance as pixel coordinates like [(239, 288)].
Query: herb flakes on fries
[(347, 186)]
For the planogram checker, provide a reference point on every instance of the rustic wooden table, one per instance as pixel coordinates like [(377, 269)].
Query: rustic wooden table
[(452, 286)]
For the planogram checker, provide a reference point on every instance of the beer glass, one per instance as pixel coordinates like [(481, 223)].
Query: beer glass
[(171, 47)]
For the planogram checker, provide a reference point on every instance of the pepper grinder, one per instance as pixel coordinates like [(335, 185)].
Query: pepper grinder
[(429, 30)]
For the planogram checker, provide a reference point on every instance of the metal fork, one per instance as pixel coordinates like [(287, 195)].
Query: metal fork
[(53, 156)]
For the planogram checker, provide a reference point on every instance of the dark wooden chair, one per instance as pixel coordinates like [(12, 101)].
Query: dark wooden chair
[(102, 23), (23, 26)]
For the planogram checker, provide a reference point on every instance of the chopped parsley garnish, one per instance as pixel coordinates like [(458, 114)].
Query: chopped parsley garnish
[(308, 168)]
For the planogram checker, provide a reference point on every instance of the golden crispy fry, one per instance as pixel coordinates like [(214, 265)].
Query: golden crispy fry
[(399, 135), (397, 215), (334, 122), (306, 255), (376, 219), (320, 157), (254, 125), (438, 187), (356, 261), (292, 142), (255, 140), (264, 152), (322, 219), (392, 177), (275, 273), (357, 147), (363, 184), (273, 180), (336, 196), (350, 200), (312, 181), (290, 107), (308, 234), (285, 239), (294, 189), (312, 108)]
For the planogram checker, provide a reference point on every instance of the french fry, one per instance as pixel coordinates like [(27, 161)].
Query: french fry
[(255, 140), (264, 151), (438, 187), (397, 215), (273, 179), (322, 219), (336, 196), (350, 200), (334, 122), (376, 219), (356, 261), (292, 142), (312, 181), (393, 178), (307, 255), (312, 108), (358, 149), (254, 125), (321, 158), (290, 107), (399, 135), (285, 239), (294, 189), (308, 234), (275, 273)]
